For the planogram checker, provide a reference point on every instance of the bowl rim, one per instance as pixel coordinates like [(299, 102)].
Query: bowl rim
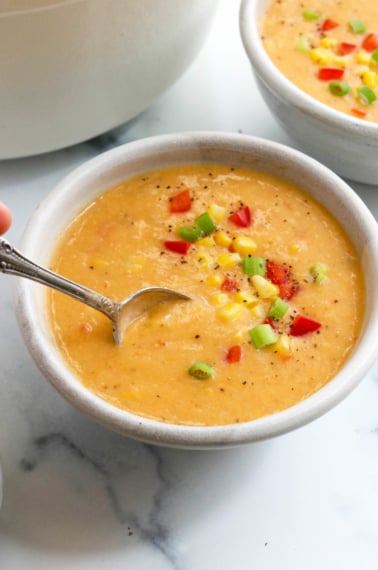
[(249, 18), (153, 431)]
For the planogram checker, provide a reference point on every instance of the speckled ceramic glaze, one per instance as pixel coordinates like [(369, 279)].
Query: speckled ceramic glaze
[(111, 167), (346, 144)]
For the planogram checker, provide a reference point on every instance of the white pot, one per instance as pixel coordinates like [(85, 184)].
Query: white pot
[(72, 69)]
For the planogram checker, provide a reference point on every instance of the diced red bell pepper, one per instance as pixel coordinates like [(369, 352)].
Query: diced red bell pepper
[(329, 73), (280, 275), (346, 48), (328, 24), (358, 113), (288, 290), (370, 42), (242, 217), (229, 285), (302, 325), (181, 247), (234, 354), (277, 273), (180, 202)]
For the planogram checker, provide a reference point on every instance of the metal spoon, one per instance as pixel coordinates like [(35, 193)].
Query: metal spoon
[(121, 314)]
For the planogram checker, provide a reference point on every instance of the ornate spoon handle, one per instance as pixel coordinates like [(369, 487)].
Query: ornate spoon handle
[(14, 263)]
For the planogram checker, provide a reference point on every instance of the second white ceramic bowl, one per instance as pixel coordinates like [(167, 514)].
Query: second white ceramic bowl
[(92, 178), (348, 145)]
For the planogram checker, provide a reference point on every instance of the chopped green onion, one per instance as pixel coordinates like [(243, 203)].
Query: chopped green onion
[(303, 43), (190, 233), (201, 371), (253, 265), (318, 273), (357, 26), (262, 335), (311, 15), (366, 95), (339, 88), (278, 309), (374, 56), (206, 223)]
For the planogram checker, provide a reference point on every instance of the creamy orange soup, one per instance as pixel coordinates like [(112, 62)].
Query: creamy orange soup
[(277, 293), (329, 49)]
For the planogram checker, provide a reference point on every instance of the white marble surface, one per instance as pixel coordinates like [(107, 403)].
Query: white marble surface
[(77, 496)]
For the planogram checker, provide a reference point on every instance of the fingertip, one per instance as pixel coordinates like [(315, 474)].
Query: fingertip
[(5, 218)]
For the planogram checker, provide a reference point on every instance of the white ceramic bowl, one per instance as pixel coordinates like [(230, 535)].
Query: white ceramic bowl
[(72, 69), (108, 169), (346, 144)]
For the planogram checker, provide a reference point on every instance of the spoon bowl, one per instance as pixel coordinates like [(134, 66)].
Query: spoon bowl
[(121, 314)]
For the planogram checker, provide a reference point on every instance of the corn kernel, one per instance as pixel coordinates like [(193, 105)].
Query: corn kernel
[(328, 42), (270, 44), (246, 298), (203, 260), (228, 259), (363, 57), (230, 312), (135, 263), (207, 241), (216, 212), (295, 247), (258, 311), (239, 336), (98, 263), (360, 70), (215, 280), (341, 60), (264, 288), (283, 346), (132, 395), (370, 78), (244, 245), (222, 238), (321, 56), (219, 299)]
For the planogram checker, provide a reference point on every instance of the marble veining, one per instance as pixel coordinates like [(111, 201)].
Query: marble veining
[(152, 529), (78, 496), (41, 446)]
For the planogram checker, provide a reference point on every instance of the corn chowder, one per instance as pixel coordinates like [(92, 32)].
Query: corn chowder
[(277, 293), (327, 49)]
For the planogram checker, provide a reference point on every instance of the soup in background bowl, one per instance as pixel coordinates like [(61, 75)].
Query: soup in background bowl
[(160, 169), (330, 51), (340, 136)]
